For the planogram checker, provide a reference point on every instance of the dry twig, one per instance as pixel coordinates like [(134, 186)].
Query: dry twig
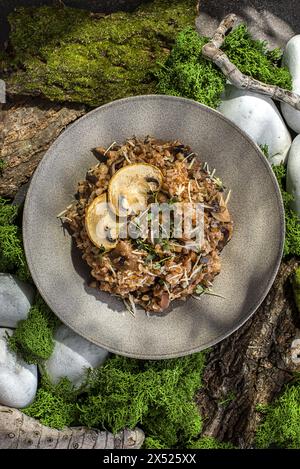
[(212, 51)]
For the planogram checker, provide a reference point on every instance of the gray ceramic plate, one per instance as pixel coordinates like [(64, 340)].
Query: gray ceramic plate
[(249, 262)]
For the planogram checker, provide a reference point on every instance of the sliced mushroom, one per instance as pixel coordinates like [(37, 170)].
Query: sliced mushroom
[(129, 186), (101, 224)]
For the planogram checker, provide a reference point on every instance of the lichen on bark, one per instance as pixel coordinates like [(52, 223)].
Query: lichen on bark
[(70, 55)]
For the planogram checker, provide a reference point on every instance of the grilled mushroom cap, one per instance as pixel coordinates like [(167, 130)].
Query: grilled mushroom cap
[(129, 186), (101, 224)]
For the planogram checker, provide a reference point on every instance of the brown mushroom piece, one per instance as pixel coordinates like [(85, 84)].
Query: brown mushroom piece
[(100, 154), (164, 301), (101, 224), (91, 177), (129, 187), (223, 214)]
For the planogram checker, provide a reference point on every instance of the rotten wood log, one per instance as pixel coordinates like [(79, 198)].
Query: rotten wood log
[(18, 431), (28, 126), (212, 51), (251, 366)]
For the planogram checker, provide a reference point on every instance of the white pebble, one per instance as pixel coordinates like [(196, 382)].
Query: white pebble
[(18, 380), (291, 59), (258, 116), (72, 355), (293, 174), (16, 298)]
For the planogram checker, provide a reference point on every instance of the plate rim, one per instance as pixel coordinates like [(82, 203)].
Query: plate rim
[(246, 316)]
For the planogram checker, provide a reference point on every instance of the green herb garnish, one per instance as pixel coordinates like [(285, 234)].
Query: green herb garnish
[(200, 290)]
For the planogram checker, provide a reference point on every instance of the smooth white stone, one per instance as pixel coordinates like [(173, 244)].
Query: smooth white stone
[(18, 380), (291, 59), (16, 297), (72, 355), (293, 174), (258, 116)]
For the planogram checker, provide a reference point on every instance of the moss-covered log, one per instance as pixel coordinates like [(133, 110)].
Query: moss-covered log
[(107, 6), (72, 55), (247, 370)]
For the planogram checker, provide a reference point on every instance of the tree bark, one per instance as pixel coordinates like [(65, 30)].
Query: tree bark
[(251, 366), (18, 431), (27, 128)]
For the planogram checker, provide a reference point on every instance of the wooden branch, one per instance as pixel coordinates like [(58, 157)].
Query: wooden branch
[(212, 51), (225, 26), (17, 430)]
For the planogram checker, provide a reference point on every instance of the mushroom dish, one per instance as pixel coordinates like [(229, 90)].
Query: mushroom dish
[(125, 220)]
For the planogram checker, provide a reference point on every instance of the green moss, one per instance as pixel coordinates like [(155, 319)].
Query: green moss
[(51, 410), (156, 395), (281, 425), (296, 287), (33, 337), (66, 54), (265, 149), (12, 256), (208, 442), (227, 399), (8, 212), (187, 73), (153, 443), (253, 58), (292, 221), (54, 405)]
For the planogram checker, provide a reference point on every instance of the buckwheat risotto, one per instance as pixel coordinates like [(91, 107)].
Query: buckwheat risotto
[(147, 267)]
